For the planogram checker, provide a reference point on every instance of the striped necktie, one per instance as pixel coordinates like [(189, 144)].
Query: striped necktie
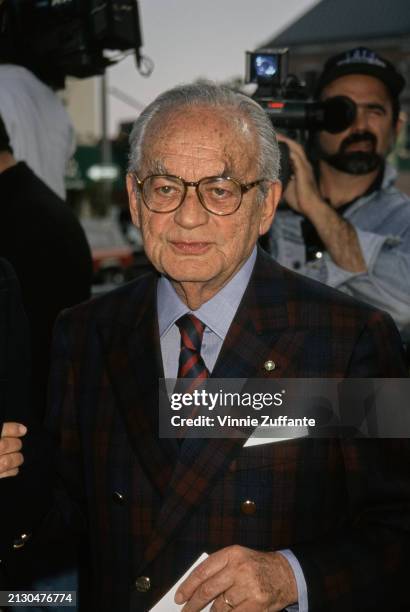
[(192, 369), (191, 364)]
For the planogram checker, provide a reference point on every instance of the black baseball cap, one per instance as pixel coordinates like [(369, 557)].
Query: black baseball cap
[(361, 60)]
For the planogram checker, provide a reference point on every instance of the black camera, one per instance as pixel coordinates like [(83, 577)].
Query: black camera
[(56, 38), (286, 99)]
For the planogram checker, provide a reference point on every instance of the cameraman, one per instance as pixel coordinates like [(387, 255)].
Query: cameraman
[(346, 224)]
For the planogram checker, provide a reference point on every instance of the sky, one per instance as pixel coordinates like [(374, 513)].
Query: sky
[(187, 39)]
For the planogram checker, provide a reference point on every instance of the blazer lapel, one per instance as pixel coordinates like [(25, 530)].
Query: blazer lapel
[(134, 364), (265, 328), (259, 333)]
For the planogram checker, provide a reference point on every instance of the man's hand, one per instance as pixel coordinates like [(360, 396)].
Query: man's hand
[(240, 579), (302, 193), (10, 446)]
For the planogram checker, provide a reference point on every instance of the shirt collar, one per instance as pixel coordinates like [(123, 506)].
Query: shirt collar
[(217, 313), (386, 180), (389, 177)]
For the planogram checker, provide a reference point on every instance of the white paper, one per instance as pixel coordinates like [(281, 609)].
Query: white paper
[(167, 603)]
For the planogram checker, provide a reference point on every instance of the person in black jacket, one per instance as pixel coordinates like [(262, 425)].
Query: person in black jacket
[(14, 354), (47, 247), (15, 418)]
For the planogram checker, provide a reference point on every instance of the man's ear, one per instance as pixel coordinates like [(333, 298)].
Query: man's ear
[(133, 200), (270, 204)]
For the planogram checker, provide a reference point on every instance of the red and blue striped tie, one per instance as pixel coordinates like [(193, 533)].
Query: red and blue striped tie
[(192, 369), (191, 364)]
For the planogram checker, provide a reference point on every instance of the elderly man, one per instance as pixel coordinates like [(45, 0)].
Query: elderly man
[(347, 225), (303, 524)]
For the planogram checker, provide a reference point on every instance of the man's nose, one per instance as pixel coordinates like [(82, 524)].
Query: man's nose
[(360, 123), (191, 212)]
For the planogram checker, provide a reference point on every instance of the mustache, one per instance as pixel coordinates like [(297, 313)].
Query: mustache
[(358, 137)]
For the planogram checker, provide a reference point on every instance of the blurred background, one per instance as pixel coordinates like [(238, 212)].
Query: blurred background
[(176, 41)]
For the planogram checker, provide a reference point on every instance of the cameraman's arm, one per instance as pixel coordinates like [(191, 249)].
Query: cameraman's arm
[(337, 234), (385, 284), (371, 267)]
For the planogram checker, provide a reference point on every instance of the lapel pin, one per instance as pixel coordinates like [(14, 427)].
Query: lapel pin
[(269, 365)]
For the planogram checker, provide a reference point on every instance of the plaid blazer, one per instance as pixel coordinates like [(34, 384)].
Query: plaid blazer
[(148, 508)]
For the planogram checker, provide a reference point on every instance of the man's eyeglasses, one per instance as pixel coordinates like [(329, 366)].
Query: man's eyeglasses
[(164, 193)]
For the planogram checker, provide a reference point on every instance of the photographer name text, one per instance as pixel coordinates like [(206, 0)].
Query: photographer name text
[(263, 420)]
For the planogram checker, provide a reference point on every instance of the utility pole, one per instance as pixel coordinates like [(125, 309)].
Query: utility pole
[(106, 154)]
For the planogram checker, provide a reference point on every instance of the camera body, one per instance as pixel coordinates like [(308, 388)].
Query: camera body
[(56, 38), (287, 100)]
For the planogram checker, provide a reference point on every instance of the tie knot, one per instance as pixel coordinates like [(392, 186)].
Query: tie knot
[(192, 330)]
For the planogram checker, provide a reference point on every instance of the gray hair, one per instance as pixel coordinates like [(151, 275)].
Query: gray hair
[(245, 111)]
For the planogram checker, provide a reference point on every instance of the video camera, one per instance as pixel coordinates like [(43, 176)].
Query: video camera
[(286, 99), (56, 38)]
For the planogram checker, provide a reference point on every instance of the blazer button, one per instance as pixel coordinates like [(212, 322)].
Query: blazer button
[(233, 466), (20, 542), (118, 497), (248, 507), (269, 365), (143, 584)]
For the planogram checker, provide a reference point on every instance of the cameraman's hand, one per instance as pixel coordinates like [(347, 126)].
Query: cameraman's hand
[(10, 446), (337, 234), (302, 193)]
